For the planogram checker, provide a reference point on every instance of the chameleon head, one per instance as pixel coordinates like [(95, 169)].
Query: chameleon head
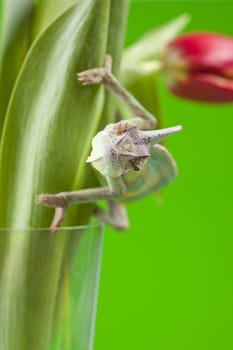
[(123, 147), (118, 149)]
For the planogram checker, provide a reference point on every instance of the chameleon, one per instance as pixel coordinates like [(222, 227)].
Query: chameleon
[(126, 154)]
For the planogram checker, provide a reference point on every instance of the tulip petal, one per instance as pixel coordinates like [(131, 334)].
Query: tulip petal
[(204, 88), (199, 67), (205, 52)]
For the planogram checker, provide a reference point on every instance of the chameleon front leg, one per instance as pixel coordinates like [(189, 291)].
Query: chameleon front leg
[(116, 217), (61, 201), (144, 119)]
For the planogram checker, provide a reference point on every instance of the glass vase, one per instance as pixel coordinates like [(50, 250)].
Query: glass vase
[(48, 288)]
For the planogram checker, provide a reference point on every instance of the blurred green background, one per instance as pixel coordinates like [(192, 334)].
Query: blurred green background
[(167, 283)]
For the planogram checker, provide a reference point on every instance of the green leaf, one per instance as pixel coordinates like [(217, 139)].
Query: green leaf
[(50, 123), (140, 58), (151, 43), (46, 12), (14, 14), (1, 22), (15, 41)]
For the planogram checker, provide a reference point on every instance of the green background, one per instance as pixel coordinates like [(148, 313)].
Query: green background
[(167, 282)]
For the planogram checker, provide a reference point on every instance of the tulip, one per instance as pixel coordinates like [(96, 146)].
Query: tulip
[(199, 67)]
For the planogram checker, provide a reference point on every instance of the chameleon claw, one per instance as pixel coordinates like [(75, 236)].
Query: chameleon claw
[(57, 220), (91, 77), (96, 75), (51, 201), (43, 199)]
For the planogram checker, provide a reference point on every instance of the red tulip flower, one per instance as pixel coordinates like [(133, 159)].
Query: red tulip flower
[(199, 66)]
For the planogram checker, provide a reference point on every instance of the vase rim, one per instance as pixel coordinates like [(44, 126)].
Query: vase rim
[(47, 229)]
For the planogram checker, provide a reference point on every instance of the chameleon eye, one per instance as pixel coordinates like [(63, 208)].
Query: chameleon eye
[(135, 163), (138, 162)]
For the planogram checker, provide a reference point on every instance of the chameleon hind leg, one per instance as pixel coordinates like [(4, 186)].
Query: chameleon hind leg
[(116, 217), (143, 118)]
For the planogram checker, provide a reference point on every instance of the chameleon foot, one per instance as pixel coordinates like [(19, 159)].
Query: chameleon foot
[(54, 201), (57, 219), (96, 75)]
